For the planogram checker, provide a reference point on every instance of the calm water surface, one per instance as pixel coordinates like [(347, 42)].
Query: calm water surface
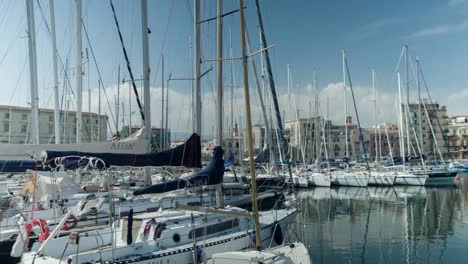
[(383, 225)]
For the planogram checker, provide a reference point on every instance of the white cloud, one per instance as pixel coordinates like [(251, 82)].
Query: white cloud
[(439, 30), (457, 102), (374, 27)]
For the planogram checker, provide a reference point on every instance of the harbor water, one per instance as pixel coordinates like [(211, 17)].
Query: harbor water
[(383, 225)]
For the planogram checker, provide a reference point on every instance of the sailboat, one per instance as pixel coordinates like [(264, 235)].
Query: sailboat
[(138, 143), (348, 177), (291, 253)]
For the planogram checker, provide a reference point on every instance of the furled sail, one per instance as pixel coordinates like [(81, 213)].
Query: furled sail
[(19, 166), (210, 175), (187, 154)]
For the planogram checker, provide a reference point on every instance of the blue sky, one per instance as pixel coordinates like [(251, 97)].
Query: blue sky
[(308, 35)]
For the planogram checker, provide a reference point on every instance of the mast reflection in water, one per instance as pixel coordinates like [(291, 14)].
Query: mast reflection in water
[(383, 225)]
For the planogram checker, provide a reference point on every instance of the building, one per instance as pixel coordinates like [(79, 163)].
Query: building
[(15, 126), (160, 138), (434, 122), (304, 137), (457, 136), (384, 141)]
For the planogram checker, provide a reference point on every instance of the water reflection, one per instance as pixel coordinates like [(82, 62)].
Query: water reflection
[(409, 224)]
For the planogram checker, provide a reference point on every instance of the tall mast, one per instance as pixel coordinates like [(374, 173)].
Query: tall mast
[(268, 137), (407, 100), (163, 133), (249, 127), (401, 109), (129, 108), (33, 72), (79, 84), (117, 104), (198, 108), (54, 64), (345, 104), (375, 115), (316, 121), (166, 133), (232, 83), (146, 83), (219, 95), (419, 110), (271, 81), (99, 112), (219, 71), (146, 70)]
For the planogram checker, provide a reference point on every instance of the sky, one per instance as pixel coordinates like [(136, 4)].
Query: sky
[(307, 35)]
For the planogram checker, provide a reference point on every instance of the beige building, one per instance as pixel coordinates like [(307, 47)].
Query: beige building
[(458, 136), (432, 116), (15, 126)]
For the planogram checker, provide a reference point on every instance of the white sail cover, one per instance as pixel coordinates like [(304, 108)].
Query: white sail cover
[(47, 185), (135, 144)]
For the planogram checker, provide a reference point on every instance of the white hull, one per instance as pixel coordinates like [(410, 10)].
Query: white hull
[(410, 179), (382, 179), (294, 253), (152, 251), (300, 181), (350, 179), (319, 180)]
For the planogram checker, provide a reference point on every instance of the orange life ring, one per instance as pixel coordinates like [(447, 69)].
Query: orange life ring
[(67, 226), (45, 231)]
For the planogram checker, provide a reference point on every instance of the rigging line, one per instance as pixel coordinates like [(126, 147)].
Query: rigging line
[(98, 72), (128, 63), (87, 129), (361, 138), (437, 118), (163, 46)]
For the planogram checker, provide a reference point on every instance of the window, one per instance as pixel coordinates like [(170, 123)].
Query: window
[(51, 118), (6, 115), (24, 128), (24, 117), (6, 127), (216, 228), (51, 129)]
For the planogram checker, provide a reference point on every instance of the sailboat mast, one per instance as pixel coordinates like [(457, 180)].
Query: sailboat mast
[(271, 81), (249, 127), (146, 82), (198, 108), (375, 116), (54, 65), (402, 141), (345, 105), (79, 84), (261, 97), (219, 71), (219, 111), (232, 82), (33, 72), (407, 100), (163, 133), (419, 109)]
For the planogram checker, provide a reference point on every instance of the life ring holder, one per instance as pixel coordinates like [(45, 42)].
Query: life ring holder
[(45, 231)]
